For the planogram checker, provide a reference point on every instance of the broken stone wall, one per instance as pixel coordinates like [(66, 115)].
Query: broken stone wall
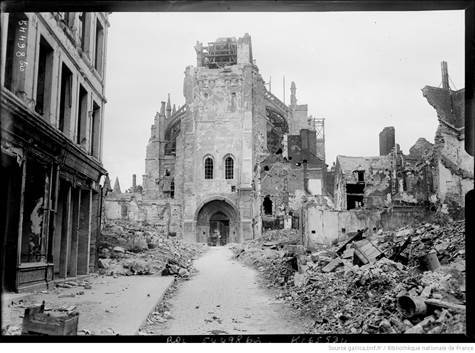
[(455, 175), (384, 180), (164, 214), (323, 226)]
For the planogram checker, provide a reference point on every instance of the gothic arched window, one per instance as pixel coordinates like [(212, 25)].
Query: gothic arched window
[(229, 168), (208, 168)]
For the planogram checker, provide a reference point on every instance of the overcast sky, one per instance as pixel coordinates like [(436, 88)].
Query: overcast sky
[(361, 71)]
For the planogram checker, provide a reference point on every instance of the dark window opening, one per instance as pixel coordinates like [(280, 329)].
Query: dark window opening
[(360, 176), (44, 82), (81, 137), (229, 168), (123, 211), (267, 205), (99, 47), (69, 19), (172, 189), (233, 188), (354, 196), (295, 221), (208, 168), (96, 129), (266, 168), (35, 211), (171, 135), (279, 151), (82, 30), (65, 100), (167, 172)]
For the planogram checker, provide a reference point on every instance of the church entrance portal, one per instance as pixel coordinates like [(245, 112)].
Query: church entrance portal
[(217, 223)]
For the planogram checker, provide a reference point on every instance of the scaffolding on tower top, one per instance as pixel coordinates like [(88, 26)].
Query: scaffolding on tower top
[(220, 53)]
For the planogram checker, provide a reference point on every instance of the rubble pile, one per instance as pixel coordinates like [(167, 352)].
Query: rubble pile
[(377, 283), (447, 240), (132, 249)]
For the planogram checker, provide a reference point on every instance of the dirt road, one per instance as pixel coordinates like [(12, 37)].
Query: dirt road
[(225, 297)]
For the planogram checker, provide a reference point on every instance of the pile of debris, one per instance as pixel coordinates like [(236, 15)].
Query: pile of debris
[(389, 282), (132, 249)]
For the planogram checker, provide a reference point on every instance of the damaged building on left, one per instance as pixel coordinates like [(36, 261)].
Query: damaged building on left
[(52, 106)]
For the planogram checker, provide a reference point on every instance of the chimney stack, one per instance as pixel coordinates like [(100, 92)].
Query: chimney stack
[(134, 182), (445, 75)]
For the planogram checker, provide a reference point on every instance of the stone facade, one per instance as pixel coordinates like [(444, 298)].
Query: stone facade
[(207, 157), (52, 107), (454, 172)]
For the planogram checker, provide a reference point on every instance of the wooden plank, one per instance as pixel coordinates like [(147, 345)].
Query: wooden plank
[(445, 305)]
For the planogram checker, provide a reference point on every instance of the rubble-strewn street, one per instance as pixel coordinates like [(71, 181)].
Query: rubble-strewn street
[(130, 249), (345, 298), (137, 265), (197, 196), (223, 297)]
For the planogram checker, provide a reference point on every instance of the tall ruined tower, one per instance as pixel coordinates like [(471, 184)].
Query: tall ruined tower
[(224, 96), (203, 165)]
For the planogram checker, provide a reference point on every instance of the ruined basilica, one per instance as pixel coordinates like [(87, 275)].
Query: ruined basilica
[(231, 158)]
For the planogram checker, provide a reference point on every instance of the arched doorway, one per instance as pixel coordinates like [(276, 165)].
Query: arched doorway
[(217, 223)]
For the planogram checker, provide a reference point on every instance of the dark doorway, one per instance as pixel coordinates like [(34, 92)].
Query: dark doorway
[(218, 229), (267, 205), (10, 196)]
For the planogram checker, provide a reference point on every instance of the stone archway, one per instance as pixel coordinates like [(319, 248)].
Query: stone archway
[(217, 223)]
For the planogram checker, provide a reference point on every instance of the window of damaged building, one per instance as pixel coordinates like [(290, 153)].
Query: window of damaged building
[(172, 189), (83, 31), (44, 80), (95, 131), (36, 202), (65, 102), (81, 136), (208, 168), (229, 168), (171, 134), (355, 191), (267, 205), (99, 47)]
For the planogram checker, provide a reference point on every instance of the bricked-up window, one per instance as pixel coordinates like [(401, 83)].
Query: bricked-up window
[(208, 168), (99, 47), (172, 189), (229, 168), (65, 100), (44, 81)]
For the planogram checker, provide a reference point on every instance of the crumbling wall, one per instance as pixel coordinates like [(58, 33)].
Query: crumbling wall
[(397, 217), (327, 226), (165, 214), (455, 175), (324, 226)]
